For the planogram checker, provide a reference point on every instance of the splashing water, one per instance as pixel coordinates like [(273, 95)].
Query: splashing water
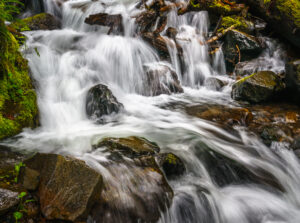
[(74, 59)]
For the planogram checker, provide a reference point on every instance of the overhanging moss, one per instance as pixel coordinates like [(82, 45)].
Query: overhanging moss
[(18, 108)]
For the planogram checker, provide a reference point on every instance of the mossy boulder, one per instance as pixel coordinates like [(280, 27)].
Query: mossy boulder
[(258, 87), (42, 21), (171, 164), (239, 46), (131, 146), (68, 188), (282, 15), (292, 79), (18, 106)]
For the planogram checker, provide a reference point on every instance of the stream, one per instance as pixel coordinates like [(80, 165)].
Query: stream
[(72, 60)]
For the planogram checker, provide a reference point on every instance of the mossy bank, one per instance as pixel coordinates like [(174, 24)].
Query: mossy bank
[(18, 107)]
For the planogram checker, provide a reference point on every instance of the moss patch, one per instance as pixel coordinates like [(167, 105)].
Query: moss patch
[(18, 108), (291, 9), (239, 23)]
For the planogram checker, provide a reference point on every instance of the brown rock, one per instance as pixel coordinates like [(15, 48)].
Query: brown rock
[(68, 187)]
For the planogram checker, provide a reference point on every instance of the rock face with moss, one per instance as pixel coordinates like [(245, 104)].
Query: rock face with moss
[(257, 87), (42, 21), (282, 15), (18, 108), (292, 79)]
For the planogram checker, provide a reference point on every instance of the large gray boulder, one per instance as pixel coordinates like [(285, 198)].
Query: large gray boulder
[(258, 87)]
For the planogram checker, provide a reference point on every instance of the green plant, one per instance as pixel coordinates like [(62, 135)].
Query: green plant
[(9, 8), (17, 171), (21, 207)]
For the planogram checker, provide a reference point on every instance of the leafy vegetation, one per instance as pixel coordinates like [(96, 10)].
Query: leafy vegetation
[(21, 207)]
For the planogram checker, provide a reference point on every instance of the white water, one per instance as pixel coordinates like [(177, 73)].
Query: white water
[(74, 59)]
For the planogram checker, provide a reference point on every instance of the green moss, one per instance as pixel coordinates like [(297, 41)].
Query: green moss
[(25, 24), (290, 9), (239, 22), (18, 108), (212, 5), (171, 159)]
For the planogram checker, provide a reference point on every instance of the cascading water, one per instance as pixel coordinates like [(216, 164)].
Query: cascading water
[(72, 60)]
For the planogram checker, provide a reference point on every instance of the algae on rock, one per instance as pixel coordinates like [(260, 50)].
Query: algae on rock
[(18, 107)]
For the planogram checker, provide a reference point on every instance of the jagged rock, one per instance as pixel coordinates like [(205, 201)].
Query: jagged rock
[(282, 16), (114, 22), (238, 47), (258, 87), (162, 80), (292, 79), (221, 114), (171, 164), (42, 21), (68, 187), (135, 189), (8, 200), (100, 101), (131, 146)]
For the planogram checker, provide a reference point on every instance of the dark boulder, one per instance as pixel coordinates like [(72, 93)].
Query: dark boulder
[(68, 188), (214, 83), (170, 164), (238, 47), (100, 101), (292, 80), (258, 87), (162, 80)]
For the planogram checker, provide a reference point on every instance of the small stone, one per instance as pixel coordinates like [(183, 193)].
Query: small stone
[(171, 164), (30, 178)]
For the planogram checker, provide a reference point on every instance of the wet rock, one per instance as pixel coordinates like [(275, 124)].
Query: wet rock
[(238, 47), (8, 200), (292, 80), (221, 114), (171, 32), (114, 22), (273, 133), (162, 80), (131, 146), (29, 178), (215, 83), (68, 187), (296, 144), (171, 164), (135, 189), (258, 87), (252, 66), (42, 21), (100, 101)]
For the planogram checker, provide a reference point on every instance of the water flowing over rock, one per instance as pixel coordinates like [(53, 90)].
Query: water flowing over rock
[(100, 101), (68, 187), (144, 191), (258, 87), (162, 80)]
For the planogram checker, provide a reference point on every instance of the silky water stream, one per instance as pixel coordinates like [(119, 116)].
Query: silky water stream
[(78, 56)]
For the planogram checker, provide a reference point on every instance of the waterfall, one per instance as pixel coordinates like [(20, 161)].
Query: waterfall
[(79, 56)]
